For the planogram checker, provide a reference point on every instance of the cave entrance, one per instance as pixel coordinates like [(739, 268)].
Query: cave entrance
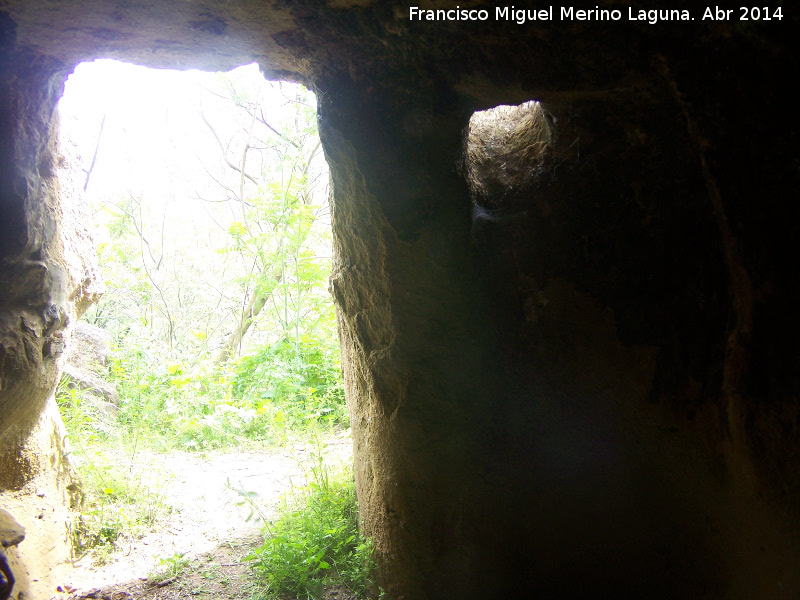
[(206, 380)]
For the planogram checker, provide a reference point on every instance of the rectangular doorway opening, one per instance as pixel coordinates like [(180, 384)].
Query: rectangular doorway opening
[(205, 384)]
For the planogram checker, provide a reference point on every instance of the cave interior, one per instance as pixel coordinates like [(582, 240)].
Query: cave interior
[(568, 325)]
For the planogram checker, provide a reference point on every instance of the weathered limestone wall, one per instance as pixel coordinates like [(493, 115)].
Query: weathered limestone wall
[(49, 276), (595, 396), (414, 338)]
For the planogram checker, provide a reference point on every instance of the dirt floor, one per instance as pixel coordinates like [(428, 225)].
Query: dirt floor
[(208, 532)]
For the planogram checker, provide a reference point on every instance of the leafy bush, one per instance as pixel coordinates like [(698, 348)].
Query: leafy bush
[(281, 370), (271, 396), (303, 380)]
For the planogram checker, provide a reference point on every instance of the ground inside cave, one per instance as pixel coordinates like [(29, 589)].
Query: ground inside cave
[(197, 550)]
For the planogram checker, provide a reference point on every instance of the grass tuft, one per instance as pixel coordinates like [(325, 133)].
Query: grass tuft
[(118, 503), (122, 497), (315, 540)]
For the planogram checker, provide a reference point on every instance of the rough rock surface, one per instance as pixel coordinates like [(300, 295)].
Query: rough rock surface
[(11, 532), (89, 348), (85, 367), (44, 287), (91, 384), (600, 397)]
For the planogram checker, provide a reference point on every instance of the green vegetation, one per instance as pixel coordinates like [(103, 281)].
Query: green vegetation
[(118, 500), (170, 567), (316, 541), (225, 333), (223, 337), (268, 397)]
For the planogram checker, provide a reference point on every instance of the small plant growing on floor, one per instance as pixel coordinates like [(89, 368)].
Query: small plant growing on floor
[(315, 541), (170, 567), (251, 499)]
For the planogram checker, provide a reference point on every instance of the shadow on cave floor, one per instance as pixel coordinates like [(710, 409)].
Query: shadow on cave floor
[(219, 573)]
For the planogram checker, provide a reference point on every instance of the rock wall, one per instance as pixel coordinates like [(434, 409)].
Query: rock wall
[(550, 397), (86, 369), (49, 276), (591, 390)]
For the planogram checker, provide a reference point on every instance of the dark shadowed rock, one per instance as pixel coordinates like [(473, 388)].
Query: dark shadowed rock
[(11, 532)]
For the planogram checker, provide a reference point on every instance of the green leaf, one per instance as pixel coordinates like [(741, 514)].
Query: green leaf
[(236, 229)]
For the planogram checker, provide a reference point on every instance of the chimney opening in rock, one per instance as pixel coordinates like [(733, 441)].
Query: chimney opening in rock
[(506, 151)]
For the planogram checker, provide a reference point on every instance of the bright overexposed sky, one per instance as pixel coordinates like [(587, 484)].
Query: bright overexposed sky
[(153, 124), (155, 144)]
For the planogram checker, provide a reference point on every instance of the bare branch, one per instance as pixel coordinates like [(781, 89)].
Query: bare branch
[(94, 158), (263, 120), (222, 147)]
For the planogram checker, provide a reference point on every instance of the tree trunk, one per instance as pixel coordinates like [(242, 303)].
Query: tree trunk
[(257, 301)]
